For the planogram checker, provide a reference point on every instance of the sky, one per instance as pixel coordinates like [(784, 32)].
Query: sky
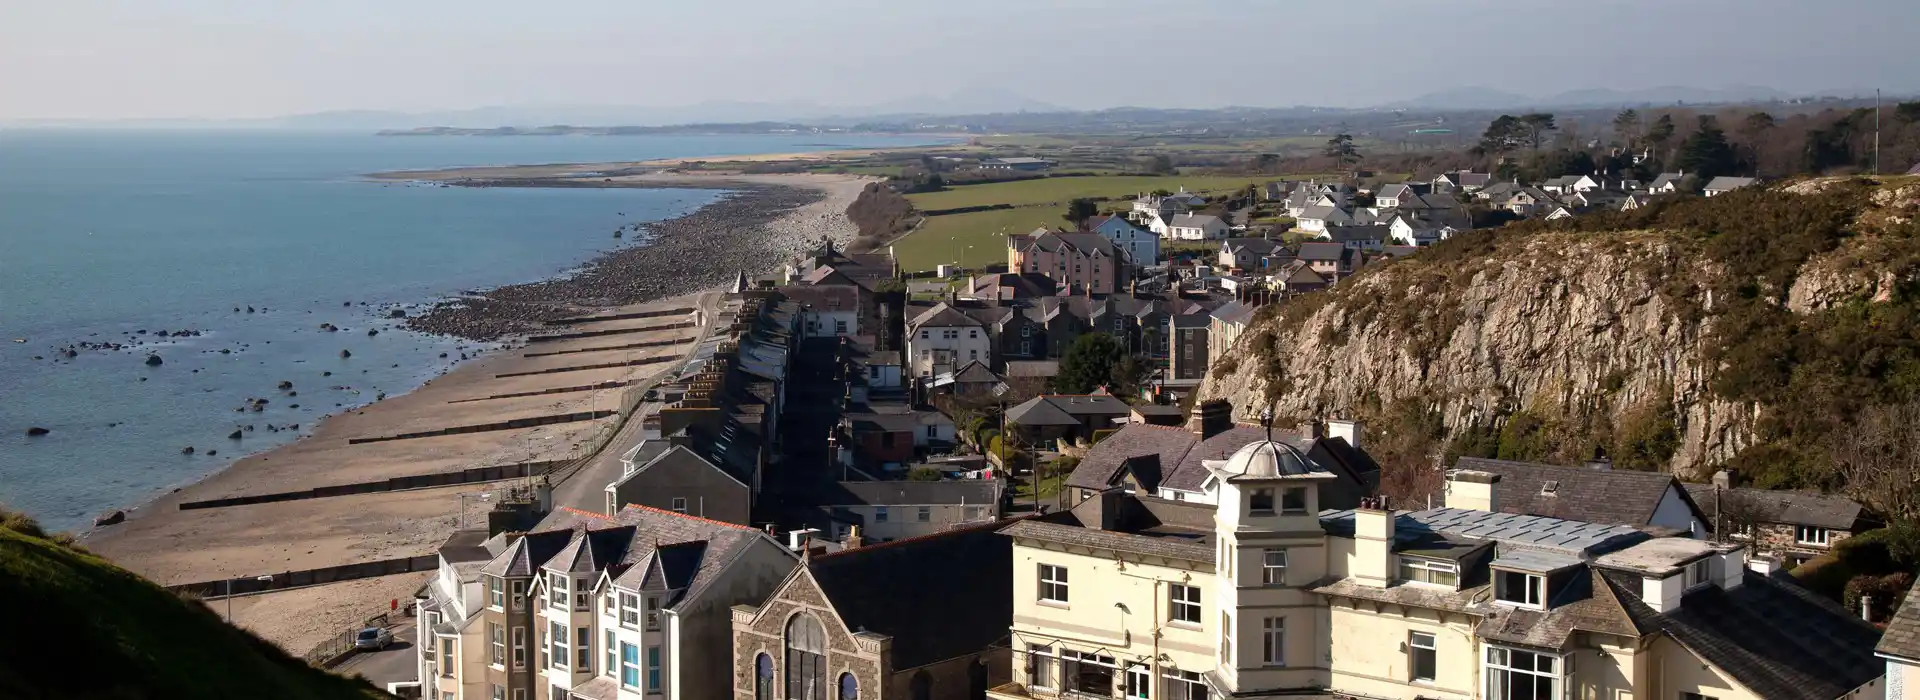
[(148, 59)]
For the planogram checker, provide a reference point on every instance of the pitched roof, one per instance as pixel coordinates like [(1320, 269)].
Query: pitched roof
[(1902, 637), (1033, 368), (1786, 507), (1601, 496), (1325, 214), (1775, 638), (1665, 178), (912, 493), (942, 316), (1249, 246), (885, 588), (1727, 183), (1195, 221), (581, 542), (1065, 409), (1322, 250)]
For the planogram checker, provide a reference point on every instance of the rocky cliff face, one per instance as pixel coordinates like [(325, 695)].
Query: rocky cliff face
[(1591, 331)]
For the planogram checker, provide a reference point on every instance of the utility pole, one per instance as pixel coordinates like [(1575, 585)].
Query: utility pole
[(1876, 131)]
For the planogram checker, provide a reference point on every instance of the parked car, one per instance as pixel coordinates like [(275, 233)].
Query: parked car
[(373, 638)]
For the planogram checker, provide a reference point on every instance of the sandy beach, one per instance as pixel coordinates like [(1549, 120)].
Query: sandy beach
[(520, 380)]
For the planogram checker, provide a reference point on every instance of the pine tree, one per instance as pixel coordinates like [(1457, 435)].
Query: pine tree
[(1707, 154)]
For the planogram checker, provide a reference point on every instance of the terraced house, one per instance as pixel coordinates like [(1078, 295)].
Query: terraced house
[(630, 606), (1272, 594)]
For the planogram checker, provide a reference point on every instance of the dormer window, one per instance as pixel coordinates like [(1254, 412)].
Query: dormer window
[(1429, 571), (1260, 501), (1520, 588), (1698, 574)]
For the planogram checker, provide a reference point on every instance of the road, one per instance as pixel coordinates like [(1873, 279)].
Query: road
[(586, 489), (390, 665)]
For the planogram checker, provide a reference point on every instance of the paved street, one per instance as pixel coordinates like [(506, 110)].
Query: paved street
[(390, 665)]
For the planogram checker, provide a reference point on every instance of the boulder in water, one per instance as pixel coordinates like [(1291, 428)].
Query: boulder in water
[(285, 385), (186, 450), (345, 354), (37, 431), (154, 361), (235, 435), (113, 518)]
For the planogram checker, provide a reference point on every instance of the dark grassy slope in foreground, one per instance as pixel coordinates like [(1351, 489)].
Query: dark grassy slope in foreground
[(76, 626)]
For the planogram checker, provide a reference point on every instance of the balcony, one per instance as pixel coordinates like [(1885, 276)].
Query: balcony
[(1020, 691)]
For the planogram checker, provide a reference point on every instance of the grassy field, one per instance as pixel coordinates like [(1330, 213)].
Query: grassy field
[(973, 240), (1059, 190)]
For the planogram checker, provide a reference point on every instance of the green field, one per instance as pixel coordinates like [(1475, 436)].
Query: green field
[(1059, 190), (973, 240)]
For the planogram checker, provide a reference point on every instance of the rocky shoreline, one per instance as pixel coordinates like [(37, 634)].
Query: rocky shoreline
[(750, 229)]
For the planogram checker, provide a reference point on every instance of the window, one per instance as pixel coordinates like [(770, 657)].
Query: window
[(447, 661), (496, 692), (1423, 658), (806, 659), (1807, 535), (1053, 583), (1293, 501), (973, 332), (1260, 502), (1521, 675), (1183, 603), (1743, 530), (975, 513), (519, 694), (679, 505), (839, 327), (519, 647), (1273, 567), (557, 590), (1698, 574), (585, 659), (1226, 637), (1139, 682), (1518, 588), (1086, 672), (879, 514), (519, 591), (925, 514), (874, 371), (496, 593), (629, 610), (1434, 571), (557, 638), (1185, 685), (653, 669), (763, 677), (555, 692), (582, 598), (496, 645), (1040, 667), (653, 613), (546, 660), (613, 655), (926, 335), (849, 688), (629, 665), (1273, 641)]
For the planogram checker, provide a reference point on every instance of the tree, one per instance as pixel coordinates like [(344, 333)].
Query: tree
[(1505, 135), (1879, 459), (1660, 133), (1341, 149), (1081, 209), (1090, 363), (1536, 126), (1626, 125), (1161, 164), (1907, 112), (1706, 154), (1753, 130), (1264, 163)]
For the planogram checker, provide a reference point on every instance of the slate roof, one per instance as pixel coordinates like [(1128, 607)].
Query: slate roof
[(1322, 250), (824, 297), (885, 589), (1777, 639), (1663, 178), (621, 542), (1033, 368), (1140, 525), (1064, 409), (1330, 214), (1603, 496), (1234, 312), (1583, 603), (1902, 636), (1785, 507), (1249, 246), (912, 493), (1727, 183), (1199, 320), (528, 553), (942, 316), (1194, 221), (1181, 453), (680, 455)]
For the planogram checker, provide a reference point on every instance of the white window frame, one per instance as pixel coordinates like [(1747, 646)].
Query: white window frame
[(496, 645), (1496, 670), (679, 504), (1534, 597), (1139, 683), (518, 592), (652, 613), (925, 513), (879, 514), (635, 665), (1053, 581), (1042, 667), (1272, 574), (651, 674), (1305, 500), (1412, 569), (1256, 496), (1697, 574), (612, 654), (496, 593), (1181, 685), (1415, 645), (1812, 536), (519, 650), (583, 645), (1273, 641), (629, 610), (557, 586), (559, 654), (1183, 604)]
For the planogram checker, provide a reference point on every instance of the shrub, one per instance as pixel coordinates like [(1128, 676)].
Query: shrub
[(924, 474)]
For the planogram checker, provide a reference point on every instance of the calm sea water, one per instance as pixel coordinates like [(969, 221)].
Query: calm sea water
[(105, 234)]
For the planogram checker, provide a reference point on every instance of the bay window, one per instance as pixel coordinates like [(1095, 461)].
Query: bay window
[(1513, 674)]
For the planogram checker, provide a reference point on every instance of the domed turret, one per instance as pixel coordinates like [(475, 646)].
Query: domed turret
[(1267, 459)]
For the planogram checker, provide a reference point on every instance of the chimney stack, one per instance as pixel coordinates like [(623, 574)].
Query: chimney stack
[(1468, 489), (853, 537), (1373, 533), (1725, 478), (1348, 430), (1211, 418)]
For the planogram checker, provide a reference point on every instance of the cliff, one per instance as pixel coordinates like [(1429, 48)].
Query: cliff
[(1745, 329)]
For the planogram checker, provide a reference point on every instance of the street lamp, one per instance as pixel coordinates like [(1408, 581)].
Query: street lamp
[(229, 582)]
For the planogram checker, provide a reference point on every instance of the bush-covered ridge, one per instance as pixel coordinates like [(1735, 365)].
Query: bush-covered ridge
[(68, 611)]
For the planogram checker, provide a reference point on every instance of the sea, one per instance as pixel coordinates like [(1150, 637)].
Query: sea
[(249, 241)]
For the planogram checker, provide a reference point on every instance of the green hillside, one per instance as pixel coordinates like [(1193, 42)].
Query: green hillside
[(80, 627)]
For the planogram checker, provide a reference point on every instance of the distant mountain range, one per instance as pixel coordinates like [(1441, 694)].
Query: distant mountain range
[(1484, 98)]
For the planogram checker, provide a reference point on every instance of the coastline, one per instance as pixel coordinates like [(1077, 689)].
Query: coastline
[(767, 219)]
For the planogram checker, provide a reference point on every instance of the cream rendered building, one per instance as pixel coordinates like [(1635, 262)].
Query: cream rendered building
[(1138, 597)]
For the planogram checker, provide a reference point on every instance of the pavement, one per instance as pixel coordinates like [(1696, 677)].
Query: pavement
[(393, 664), (586, 489)]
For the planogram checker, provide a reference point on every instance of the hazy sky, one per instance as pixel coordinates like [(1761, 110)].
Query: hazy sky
[(251, 58)]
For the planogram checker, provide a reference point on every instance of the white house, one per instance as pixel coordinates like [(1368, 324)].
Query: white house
[(1140, 246), (826, 310), (1405, 229), (1666, 183), (1390, 195), (941, 339), (1196, 227), (1723, 184), (1900, 648), (1316, 219)]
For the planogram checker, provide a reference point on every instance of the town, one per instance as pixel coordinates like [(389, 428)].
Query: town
[(1002, 482)]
